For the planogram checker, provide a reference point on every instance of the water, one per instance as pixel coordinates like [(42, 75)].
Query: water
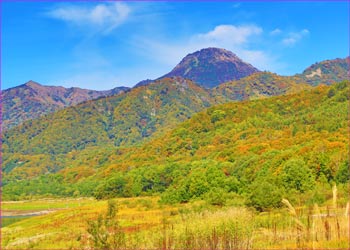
[(8, 220)]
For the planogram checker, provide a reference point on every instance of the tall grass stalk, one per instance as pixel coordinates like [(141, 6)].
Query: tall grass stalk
[(300, 227), (347, 210), (334, 191)]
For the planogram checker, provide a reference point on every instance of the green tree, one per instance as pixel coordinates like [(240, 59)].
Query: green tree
[(216, 196), (218, 115), (343, 174), (331, 93), (106, 232), (296, 175), (264, 194), (114, 187)]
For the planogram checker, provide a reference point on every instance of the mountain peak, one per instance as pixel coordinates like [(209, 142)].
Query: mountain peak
[(211, 66), (326, 72), (212, 51), (31, 83)]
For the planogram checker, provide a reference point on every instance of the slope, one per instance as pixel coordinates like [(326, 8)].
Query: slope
[(122, 120), (326, 72), (291, 144), (224, 149), (259, 85), (32, 100)]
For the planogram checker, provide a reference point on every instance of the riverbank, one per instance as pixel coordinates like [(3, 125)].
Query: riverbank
[(16, 213)]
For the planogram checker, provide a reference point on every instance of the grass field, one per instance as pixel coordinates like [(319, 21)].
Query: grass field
[(43, 204), (148, 225)]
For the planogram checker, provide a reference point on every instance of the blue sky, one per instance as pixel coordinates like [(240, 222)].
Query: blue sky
[(102, 45)]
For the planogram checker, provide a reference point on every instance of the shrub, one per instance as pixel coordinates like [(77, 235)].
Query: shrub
[(106, 232), (296, 175), (216, 196), (264, 195)]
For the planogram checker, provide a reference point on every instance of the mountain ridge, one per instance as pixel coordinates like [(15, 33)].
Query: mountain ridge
[(122, 119), (32, 100), (330, 71)]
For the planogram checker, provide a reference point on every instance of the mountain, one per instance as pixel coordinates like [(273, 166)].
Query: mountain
[(211, 66), (120, 120), (259, 85), (32, 100), (228, 148), (326, 72), (208, 67), (157, 127), (130, 118)]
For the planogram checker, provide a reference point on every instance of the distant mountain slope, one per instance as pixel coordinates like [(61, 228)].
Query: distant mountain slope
[(208, 67), (131, 117), (32, 100), (211, 66), (326, 72), (240, 141), (123, 119), (258, 85), (143, 83)]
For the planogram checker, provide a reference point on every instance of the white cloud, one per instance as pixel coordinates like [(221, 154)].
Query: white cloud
[(229, 34), (294, 37), (234, 38), (104, 16), (275, 32), (223, 36), (258, 59)]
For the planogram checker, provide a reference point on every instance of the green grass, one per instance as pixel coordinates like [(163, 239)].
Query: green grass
[(149, 225), (43, 204)]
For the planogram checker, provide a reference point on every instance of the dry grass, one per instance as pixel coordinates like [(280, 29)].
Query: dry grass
[(334, 191), (148, 225), (321, 228)]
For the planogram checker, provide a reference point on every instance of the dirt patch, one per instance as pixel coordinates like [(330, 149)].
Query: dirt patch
[(28, 240), (26, 213)]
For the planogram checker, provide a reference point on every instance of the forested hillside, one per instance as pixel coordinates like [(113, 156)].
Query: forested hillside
[(119, 120), (259, 85), (281, 145)]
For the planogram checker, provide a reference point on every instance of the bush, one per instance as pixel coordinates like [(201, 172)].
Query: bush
[(264, 195), (113, 187), (216, 196)]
